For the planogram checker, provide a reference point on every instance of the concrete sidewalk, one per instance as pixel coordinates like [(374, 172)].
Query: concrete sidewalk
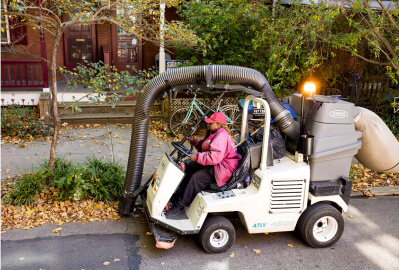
[(108, 142)]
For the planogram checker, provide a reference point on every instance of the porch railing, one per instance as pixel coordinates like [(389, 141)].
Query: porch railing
[(23, 74)]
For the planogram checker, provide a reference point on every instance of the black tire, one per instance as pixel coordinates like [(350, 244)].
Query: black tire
[(176, 121), (217, 234), (321, 225)]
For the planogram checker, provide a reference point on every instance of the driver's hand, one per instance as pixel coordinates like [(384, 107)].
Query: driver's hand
[(190, 139), (192, 157)]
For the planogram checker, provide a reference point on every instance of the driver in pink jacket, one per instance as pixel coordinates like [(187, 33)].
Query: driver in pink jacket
[(216, 160)]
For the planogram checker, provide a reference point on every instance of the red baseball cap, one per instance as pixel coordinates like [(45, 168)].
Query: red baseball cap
[(216, 117)]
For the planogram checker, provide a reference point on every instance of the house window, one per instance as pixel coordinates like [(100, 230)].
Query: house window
[(80, 43), (127, 43)]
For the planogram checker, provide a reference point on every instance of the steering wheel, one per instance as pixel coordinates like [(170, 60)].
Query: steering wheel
[(181, 148)]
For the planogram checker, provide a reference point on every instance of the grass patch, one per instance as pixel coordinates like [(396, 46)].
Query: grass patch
[(95, 180), (23, 189)]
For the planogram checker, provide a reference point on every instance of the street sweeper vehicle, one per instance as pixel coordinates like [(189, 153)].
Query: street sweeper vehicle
[(307, 189)]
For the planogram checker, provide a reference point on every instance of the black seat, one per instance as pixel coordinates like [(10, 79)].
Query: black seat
[(239, 175)]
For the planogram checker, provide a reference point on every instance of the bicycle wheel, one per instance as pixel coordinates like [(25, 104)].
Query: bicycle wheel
[(177, 125), (233, 115)]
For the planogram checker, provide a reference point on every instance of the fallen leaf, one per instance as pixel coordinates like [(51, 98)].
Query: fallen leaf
[(21, 259), (256, 251), (149, 233), (117, 260), (231, 255), (106, 263), (162, 263), (266, 233), (245, 247), (350, 216), (26, 228), (57, 230), (289, 245)]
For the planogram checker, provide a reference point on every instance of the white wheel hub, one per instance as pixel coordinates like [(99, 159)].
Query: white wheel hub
[(325, 229), (219, 238)]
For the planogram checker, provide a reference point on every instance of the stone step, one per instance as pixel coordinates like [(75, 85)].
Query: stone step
[(124, 107), (103, 113)]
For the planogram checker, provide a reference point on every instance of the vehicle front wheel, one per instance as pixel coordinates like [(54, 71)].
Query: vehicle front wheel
[(217, 234), (321, 225)]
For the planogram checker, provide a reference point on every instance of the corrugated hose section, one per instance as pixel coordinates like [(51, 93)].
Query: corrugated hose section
[(190, 75)]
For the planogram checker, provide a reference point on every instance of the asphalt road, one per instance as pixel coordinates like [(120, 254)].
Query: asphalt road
[(370, 241)]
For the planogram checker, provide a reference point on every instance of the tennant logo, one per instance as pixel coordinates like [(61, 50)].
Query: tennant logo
[(338, 114)]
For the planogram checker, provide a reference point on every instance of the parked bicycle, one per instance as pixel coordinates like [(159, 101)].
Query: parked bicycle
[(184, 118)]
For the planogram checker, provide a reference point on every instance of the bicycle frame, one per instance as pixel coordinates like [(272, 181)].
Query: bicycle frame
[(195, 102)]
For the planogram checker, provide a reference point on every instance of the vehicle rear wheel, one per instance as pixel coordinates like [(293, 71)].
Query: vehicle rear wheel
[(177, 125), (217, 234), (321, 225)]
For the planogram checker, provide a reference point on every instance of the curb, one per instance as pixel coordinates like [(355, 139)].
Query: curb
[(377, 191)]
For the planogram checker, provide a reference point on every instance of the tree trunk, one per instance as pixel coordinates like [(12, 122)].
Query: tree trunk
[(274, 5), (56, 118)]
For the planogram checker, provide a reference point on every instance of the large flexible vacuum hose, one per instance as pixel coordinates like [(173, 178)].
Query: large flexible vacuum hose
[(190, 75), (380, 149)]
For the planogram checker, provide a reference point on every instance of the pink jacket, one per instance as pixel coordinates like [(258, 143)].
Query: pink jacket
[(219, 150)]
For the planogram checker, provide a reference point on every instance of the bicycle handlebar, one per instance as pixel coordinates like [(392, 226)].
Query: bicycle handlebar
[(194, 128)]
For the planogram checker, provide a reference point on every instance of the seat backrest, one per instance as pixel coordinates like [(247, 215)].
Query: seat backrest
[(243, 168)]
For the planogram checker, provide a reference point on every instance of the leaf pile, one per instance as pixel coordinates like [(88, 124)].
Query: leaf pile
[(160, 130), (364, 178), (47, 210)]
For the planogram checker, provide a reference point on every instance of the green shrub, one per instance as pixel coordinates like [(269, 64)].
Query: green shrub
[(23, 122), (66, 178), (95, 179), (105, 179), (23, 189)]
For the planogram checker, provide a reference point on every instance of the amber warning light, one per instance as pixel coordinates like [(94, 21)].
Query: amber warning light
[(309, 88)]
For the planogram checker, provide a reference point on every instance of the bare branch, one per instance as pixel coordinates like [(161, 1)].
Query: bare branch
[(105, 8), (346, 48), (25, 50), (49, 11), (32, 17), (388, 14)]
